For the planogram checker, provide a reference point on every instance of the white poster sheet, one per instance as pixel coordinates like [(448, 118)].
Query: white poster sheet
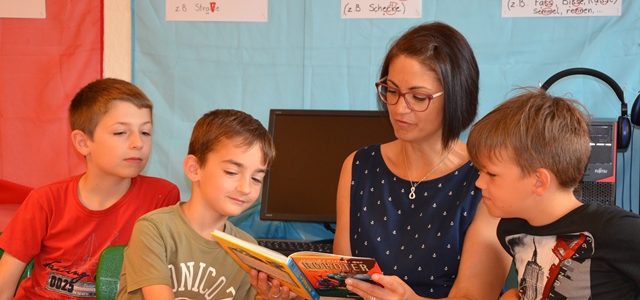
[(218, 10), (381, 9), (560, 8), (34, 9)]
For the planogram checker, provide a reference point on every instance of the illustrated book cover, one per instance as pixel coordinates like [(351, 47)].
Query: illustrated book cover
[(312, 275)]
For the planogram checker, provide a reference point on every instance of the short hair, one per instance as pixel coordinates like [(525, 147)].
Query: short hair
[(538, 131), (220, 124), (94, 100), (441, 48)]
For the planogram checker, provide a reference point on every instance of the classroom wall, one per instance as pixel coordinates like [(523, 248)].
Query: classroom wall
[(306, 56), (117, 39), (43, 63)]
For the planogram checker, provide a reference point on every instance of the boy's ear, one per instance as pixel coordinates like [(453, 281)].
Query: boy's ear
[(191, 167), (542, 181), (80, 141)]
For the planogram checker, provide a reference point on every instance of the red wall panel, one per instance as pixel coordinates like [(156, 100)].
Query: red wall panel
[(43, 62)]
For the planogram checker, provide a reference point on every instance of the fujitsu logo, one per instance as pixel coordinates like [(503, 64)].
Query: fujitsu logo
[(601, 171)]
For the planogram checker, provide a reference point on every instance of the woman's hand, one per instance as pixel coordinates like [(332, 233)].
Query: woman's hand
[(389, 288), (270, 290)]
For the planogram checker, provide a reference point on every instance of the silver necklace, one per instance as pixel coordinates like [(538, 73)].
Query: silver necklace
[(412, 191)]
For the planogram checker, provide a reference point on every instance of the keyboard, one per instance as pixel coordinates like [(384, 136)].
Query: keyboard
[(287, 247)]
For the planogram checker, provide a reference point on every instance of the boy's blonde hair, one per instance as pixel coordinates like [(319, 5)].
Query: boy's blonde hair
[(93, 101), (538, 131), (220, 124)]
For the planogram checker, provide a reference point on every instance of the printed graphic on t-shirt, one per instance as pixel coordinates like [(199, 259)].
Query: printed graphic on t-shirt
[(199, 281), (70, 277), (553, 267), (71, 286)]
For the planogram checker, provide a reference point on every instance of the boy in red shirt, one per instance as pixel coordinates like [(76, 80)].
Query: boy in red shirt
[(64, 226)]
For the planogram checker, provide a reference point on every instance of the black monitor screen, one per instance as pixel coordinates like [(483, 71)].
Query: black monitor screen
[(311, 146)]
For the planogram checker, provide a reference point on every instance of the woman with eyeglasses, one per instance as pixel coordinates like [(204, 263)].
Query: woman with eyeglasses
[(412, 203)]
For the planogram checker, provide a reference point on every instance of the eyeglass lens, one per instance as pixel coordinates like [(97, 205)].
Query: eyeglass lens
[(415, 100)]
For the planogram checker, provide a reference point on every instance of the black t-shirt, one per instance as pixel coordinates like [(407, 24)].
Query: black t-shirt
[(593, 252)]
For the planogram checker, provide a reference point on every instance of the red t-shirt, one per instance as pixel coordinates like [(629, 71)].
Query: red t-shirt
[(65, 239)]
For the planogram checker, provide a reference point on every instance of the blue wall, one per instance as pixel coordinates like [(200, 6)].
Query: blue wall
[(305, 56)]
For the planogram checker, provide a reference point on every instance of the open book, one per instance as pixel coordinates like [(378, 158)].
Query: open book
[(312, 275)]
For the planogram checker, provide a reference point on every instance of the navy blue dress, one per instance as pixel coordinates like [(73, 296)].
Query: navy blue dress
[(418, 240)]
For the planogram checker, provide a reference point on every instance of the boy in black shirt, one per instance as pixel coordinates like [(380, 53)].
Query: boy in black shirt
[(532, 151)]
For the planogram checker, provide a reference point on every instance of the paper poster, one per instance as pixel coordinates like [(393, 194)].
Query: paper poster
[(218, 10), (560, 8), (381, 9), (33, 9)]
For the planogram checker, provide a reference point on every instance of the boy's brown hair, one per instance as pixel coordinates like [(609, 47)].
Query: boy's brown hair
[(93, 101), (538, 131), (220, 124)]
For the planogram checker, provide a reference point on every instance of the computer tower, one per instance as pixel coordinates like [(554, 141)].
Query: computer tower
[(598, 184)]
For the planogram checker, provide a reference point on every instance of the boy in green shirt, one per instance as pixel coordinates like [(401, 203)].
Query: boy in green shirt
[(172, 253)]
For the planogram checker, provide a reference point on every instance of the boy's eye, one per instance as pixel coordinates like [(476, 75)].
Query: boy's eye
[(231, 173), (147, 133), (119, 133), (257, 180), (488, 173)]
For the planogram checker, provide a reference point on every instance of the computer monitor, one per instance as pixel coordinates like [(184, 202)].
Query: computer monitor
[(311, 146)]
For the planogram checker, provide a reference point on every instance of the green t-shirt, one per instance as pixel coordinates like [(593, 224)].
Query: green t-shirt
[(165, 250)]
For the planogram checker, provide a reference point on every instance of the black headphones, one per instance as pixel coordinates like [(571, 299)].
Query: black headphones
[(624, 123)]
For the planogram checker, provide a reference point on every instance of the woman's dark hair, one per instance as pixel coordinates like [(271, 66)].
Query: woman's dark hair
[(443, 49)]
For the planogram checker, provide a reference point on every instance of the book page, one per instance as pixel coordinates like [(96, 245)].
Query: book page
[(274, 269), (251, 256)]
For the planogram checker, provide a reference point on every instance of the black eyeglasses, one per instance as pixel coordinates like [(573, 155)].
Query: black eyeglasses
[(415, 100)]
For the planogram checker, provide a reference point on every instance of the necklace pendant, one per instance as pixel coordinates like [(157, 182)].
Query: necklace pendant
[(412, 193)]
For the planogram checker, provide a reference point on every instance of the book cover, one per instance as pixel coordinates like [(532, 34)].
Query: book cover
[(312, 275), (327, 272)]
